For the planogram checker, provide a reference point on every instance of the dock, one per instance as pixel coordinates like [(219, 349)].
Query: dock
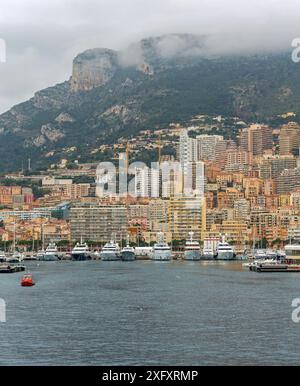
[(11, 268), (275, 268)]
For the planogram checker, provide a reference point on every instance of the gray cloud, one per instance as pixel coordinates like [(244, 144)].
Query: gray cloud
[(43, 37)]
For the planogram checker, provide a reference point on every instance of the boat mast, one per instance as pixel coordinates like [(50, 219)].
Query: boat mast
[(253, 246), (14, 241)]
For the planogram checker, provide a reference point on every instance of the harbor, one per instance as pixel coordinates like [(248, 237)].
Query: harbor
[(103, 314)]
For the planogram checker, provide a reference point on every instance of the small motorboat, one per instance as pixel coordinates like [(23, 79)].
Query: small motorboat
[(27, 280)]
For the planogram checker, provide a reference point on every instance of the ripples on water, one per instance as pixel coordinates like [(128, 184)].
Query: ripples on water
[(177, 313)]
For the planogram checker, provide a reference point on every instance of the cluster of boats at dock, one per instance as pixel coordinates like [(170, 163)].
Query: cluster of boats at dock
[(287, 260), (111, 251), (259, 260)]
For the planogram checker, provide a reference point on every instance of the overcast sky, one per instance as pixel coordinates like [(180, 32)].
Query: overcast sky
[(42, 37)]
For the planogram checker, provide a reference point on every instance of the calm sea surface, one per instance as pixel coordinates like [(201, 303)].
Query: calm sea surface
[(177, 313)]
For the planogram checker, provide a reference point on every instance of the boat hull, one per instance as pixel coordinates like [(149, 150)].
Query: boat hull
[(275, 268), (80, 257), (110, 257), (225, 256), (12, 261), (128, 256), (25, 284), (208, 256), (161, 256), (49, 258), (192, 255)]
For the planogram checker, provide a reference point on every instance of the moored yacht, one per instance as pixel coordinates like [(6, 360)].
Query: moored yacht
[(209, 248), (110, 252), (51, 253), (161, 250), (81, 252), (16, 257), (224, 250), (192, 249), (259, 254), (208, 254), (128, 253)]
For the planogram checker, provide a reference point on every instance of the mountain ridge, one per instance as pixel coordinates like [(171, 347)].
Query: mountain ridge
[(151, 84)]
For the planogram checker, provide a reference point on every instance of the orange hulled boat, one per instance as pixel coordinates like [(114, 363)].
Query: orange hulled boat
[(27, 280)]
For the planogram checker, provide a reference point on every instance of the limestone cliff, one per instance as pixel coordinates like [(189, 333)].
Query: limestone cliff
[(93, 68)]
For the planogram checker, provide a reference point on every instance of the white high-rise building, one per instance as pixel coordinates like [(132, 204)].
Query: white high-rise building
[(187, 151), (147, 182), (194, 179)]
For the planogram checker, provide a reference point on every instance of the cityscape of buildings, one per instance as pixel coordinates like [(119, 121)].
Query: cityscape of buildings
[(247, 188)]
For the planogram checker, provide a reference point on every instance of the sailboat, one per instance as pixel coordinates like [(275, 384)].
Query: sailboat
[(16, 256)]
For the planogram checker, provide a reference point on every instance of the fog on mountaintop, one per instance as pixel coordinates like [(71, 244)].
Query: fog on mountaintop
[(43, 37)]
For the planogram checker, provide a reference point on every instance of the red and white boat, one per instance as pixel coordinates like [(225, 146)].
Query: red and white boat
[(27, 280)]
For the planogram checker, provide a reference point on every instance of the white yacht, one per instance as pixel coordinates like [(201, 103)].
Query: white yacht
[(51, 253), (161, 250), (208, 254), (192, 249), (209, 248), (30, 258), (224, 250), (81, 252), (16, 257), (260, 254), (110, 252), (128, 252)]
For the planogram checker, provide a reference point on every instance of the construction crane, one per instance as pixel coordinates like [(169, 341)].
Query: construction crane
[(159, 149)]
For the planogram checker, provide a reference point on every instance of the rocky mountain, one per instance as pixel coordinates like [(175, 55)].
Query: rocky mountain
[(154, 82)]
